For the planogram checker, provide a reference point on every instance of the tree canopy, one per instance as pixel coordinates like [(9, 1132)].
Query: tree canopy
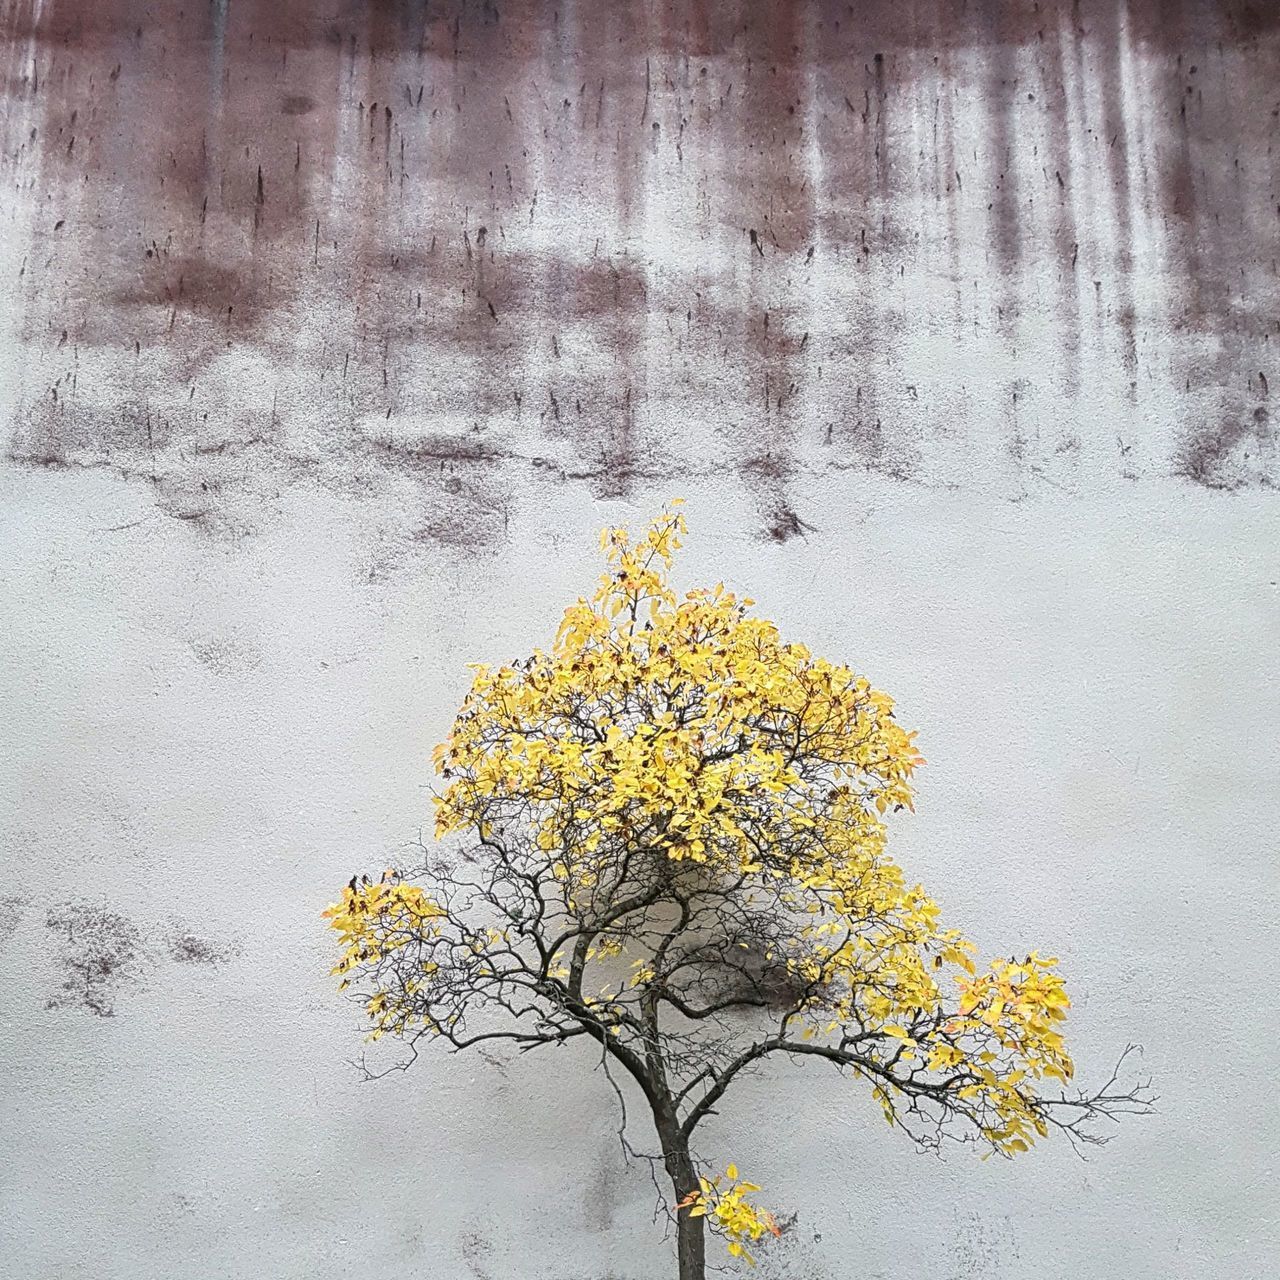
[(666, 834)]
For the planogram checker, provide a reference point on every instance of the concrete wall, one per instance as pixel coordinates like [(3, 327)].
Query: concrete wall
[(332, 331)]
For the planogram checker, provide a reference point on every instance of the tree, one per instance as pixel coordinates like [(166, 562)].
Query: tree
[(668, 838)]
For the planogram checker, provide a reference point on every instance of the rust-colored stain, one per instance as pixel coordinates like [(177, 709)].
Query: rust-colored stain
[(472, 246)]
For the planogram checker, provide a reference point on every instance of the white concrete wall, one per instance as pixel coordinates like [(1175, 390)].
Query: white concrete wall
[(1011, 455)]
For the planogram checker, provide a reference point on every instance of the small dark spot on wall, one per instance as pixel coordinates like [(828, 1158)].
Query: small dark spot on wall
[(767, 466), (226, 654), (784, 524), (189, 948), (467, 522), (194, 499), (11, 911), (184, 1206), (297, 104), (477, 1253), (984, 1247)]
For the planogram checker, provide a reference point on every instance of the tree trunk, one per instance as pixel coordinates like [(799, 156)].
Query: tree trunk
[(691, 1233), (691, 1245)]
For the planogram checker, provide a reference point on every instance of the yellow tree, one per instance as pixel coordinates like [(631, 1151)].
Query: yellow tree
[(665, 834)]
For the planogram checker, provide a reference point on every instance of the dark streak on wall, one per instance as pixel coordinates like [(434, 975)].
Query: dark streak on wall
[(478, 245)]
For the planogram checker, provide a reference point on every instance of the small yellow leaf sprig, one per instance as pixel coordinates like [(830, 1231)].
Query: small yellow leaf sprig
[(723, 1202), (373, 920)]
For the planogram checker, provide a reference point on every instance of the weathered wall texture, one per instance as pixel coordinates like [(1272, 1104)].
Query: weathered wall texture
[(331, 331)]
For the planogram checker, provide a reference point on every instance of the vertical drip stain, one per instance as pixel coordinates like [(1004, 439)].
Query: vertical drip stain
[(218, 10)]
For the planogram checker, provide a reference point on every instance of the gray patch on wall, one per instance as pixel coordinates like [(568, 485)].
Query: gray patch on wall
[(11, 910), (477, 1253), (793, 1255), (985, 1249), (102, 954), (226, 654), (188, 948), (1229, 454)]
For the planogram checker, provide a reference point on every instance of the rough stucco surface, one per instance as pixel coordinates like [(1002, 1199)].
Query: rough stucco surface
[(333, 331)]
